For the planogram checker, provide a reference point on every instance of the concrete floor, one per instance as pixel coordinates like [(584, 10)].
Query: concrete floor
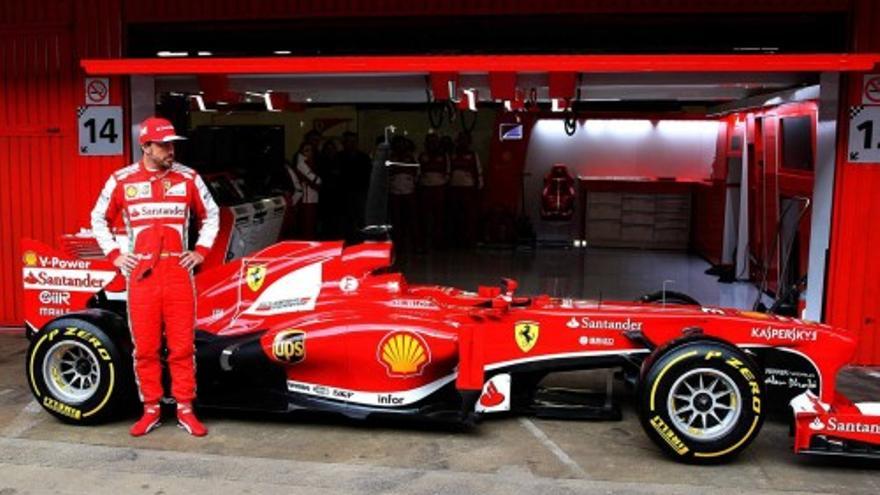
[(312, 454), (319, 454)]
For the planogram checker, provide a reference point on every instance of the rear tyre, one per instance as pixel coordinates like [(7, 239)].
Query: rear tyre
[(701, 402), (78, 373)]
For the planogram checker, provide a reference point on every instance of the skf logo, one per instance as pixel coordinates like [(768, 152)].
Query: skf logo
[(289, 346), (255, 276), (403, 354), (526, 334), (29, 258), (131, 192)]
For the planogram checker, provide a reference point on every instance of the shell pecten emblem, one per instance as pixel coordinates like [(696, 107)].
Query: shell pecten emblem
[(403, 354), (29, 258), (526, 334)]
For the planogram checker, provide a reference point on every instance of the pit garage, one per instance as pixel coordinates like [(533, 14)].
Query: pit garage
[(675, 154)]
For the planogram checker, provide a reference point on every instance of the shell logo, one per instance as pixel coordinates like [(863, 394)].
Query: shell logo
[(131, 192), (30, 258), (403, 354)]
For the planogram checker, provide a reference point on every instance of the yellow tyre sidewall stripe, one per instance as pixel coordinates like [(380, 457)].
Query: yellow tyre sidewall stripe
[(112, 372), (663, 372), (699, 454)]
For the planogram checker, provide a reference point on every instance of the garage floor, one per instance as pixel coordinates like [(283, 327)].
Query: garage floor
[(313, 454), (623, 274)]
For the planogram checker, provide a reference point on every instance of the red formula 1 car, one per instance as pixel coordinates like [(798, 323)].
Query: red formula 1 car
[(319, 326)]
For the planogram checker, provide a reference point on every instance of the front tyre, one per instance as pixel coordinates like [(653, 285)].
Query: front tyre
[(701, 402), (77, 372)]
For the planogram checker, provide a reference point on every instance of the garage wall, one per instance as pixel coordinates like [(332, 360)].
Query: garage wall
[(853, 289), (47, 189), (628, 148), (683, 149)]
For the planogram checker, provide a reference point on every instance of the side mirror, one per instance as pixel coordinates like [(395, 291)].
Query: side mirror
[(508, 286)]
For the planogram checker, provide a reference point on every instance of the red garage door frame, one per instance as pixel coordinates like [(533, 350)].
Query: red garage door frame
[(859, 318), (813, 62)]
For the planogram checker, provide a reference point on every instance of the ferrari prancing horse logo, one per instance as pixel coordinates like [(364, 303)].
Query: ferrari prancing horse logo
[(526, 334), (255, 276)]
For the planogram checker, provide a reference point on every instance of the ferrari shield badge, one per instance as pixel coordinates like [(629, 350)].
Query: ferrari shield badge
[(526, 334), (255, 276)]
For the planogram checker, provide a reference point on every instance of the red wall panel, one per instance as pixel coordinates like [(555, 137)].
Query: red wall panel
[(47, 189), (853, 289)]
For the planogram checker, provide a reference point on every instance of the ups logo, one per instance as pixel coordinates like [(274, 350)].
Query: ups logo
[(289, 346)]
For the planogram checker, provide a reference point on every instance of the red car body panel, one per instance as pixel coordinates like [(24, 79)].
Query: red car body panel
[(344, 329)]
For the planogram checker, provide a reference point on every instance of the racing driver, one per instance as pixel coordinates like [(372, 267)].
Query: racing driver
[(156, 197)]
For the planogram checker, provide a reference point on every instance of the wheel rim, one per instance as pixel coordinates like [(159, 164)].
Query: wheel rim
[(704, 404), (71, 372)]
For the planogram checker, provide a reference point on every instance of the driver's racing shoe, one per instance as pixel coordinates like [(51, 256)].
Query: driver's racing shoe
[(151, 420), (188, 421)]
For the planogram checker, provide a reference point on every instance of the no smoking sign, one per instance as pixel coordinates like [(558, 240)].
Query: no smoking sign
[(871, 90), (97, 91)]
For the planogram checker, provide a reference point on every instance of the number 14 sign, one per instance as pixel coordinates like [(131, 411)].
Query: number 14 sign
[(100, 130), (864, 134)]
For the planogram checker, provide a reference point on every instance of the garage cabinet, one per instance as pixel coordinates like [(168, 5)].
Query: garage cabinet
[(637, 219)]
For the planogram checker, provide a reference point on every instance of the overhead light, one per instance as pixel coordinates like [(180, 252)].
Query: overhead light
[(308, 100), (602, 99), (200, 103), (471, 95), (267, 98), (166, 53), (282, 52), (222, 103), (204, 54)]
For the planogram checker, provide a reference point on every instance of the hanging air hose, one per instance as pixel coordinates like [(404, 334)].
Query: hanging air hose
[(570, 118), (440, 112), (467, 123), (765, 268)]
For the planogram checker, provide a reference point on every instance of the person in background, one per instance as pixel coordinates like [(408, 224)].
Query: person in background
[(313, 137), (305, 171), (402, 202), (356, 168), (433, 177), (331, 208), (465, 182)]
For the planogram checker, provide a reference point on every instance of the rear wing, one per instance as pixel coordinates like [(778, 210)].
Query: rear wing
[(56, 282)]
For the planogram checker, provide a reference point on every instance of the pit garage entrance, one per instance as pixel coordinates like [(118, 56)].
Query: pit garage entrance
[(586, 176)]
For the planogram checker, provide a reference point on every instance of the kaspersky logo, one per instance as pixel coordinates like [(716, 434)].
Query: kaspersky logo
[(403, 354)]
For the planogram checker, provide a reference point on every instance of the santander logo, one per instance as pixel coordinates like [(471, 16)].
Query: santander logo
[(491, 397), (817, 425)]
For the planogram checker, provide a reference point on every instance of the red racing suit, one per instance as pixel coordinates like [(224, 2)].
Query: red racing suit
[(157, 206)]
